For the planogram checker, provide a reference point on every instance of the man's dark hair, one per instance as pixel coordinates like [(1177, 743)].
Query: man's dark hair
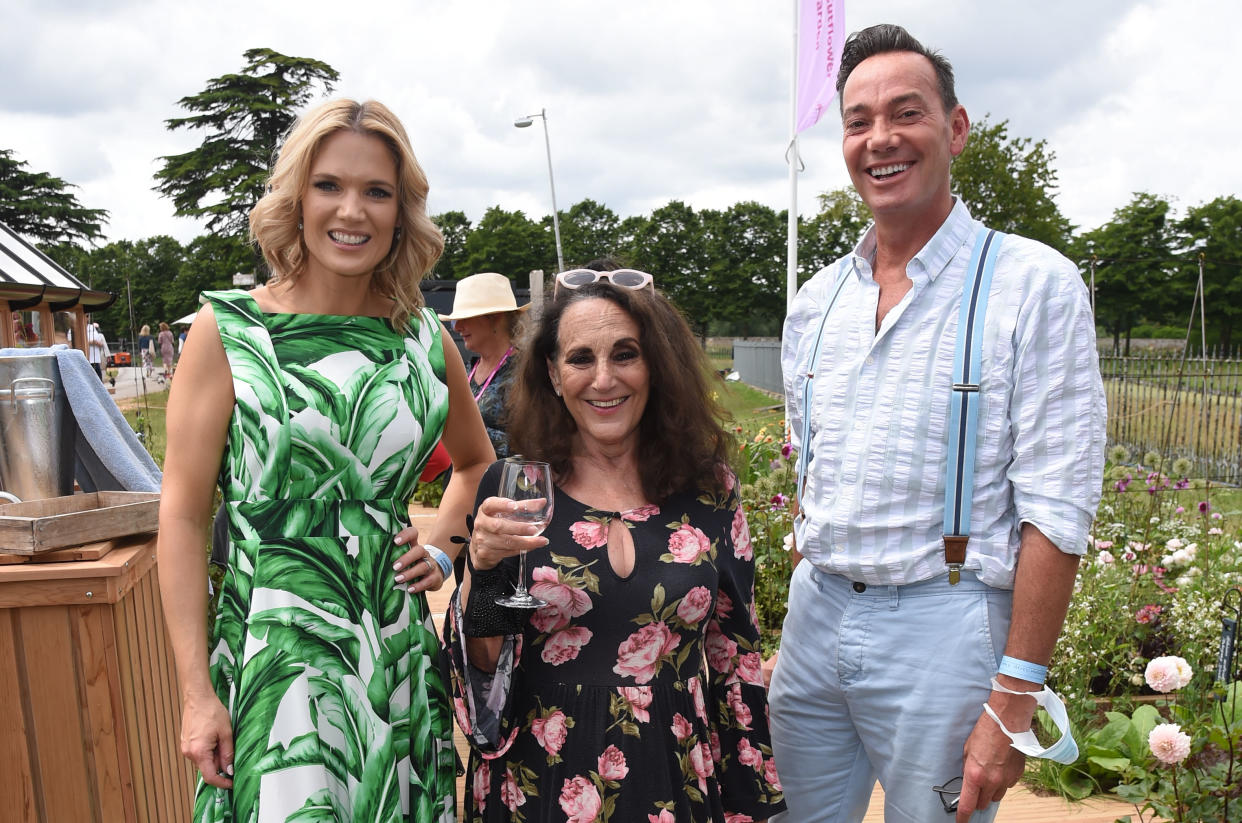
[(885, 38)]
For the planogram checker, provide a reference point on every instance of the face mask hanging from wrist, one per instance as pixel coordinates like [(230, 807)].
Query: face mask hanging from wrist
[(1065, 750)]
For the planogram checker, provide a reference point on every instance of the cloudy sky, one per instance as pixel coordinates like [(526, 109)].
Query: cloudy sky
[(647, 100)]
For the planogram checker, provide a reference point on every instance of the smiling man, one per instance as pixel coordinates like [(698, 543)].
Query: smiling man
[(896, 636)]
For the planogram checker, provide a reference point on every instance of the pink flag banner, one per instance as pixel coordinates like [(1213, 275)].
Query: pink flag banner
[(821, 36)]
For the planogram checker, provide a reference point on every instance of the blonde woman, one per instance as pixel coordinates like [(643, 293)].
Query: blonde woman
[(146, 349), (316, 399)]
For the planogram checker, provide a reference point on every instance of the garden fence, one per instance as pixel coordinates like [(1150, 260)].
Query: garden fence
[(1178, 407)]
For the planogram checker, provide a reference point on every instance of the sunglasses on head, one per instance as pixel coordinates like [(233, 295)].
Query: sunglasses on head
[(624, 278)]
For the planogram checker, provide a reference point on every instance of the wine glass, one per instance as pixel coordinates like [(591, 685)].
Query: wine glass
[(524, 480)]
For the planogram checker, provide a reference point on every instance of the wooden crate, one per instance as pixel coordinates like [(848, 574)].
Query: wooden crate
[(90, 715), (59, 522)]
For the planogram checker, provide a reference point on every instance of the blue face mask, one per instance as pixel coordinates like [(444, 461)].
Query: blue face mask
[(1065, 750)]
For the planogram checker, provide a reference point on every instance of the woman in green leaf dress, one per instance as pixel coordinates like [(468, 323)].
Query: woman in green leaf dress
[(314, 401)]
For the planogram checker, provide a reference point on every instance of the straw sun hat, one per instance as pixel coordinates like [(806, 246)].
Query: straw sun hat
[(486, 293)]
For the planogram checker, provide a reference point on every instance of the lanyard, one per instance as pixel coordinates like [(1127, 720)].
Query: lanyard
[(488, 382)]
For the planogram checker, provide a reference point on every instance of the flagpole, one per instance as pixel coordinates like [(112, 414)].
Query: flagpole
[(791, 156)]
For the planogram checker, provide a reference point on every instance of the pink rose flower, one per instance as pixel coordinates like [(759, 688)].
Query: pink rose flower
[(682, 728), (641, 514), (1167, 674), (720, 649), (714, 741), (510, 794), (688, 544), (580, 801), (701, 762), (750, 668), (741, 711), (563, 602), (1169, 743), (724, 606), (738, 817), (696, 691), (463, 717), (478, 787), (639, 698), (748, 755), (589, 534), (665, 816), (612, 764), (770, 775), (564, 645), (639, 655), (550, 731), (741, 536), (695, 605)]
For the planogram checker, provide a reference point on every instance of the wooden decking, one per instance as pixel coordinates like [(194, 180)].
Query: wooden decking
[(1019, 805)]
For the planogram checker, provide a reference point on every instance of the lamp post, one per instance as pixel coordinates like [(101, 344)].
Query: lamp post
[(521, 123)]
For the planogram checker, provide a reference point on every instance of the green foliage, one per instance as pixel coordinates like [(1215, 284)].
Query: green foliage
[(1132, 256), (455, 227), (244, 117), (508, 242), (1215, 230), (41, 208), (589, 230), (1009, 184), (670, 245), (745, 278), (833, 232)]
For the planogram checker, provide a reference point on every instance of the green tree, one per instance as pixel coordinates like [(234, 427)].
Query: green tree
[(210, 263), (671, 246), (589, 230), (455, 227), (1215, 230), (243, 116), (745, 278), (1132, 257), (510, 243), (833, 232), (1009, 184), (41, 208)]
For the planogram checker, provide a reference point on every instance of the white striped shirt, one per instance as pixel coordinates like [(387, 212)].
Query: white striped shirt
[(874, 496)]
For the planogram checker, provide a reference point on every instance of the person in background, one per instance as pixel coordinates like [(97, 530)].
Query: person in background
[(97, 348), (486, 315), (315, 400), (167, 347), (894, 642), (146, 349), (635, 693)]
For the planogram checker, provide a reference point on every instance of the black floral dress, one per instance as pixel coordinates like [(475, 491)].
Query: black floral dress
[(625, 699)]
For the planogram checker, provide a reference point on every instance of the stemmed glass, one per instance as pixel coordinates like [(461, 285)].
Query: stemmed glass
[(524, 480)]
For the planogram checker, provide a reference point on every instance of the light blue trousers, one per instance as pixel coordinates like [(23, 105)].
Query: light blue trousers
[(881, 682)]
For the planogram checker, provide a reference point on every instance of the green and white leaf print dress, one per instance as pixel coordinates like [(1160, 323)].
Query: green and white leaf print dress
[(340, 711)]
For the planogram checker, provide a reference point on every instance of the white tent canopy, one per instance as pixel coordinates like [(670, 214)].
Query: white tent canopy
[(187, 320)]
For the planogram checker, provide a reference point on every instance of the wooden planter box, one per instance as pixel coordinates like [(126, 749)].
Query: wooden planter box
[(90, 713)]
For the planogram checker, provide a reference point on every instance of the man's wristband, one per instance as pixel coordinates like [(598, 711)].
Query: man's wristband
[(442, 560), (1023, 670)]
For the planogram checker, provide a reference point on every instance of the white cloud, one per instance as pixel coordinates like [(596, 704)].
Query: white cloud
[(647, 101)]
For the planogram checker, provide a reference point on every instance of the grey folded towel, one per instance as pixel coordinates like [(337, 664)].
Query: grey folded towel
[(108, 455)]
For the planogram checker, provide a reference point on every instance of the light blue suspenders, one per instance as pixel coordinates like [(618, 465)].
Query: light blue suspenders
[(964, 403)]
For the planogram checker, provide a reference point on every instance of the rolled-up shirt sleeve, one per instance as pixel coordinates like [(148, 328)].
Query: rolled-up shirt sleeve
[(1058, 413)]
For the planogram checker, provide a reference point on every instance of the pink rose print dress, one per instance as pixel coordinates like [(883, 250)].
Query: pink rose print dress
[(625, 699)]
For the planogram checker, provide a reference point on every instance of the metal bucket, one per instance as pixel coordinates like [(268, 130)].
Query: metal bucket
[(36, 429)]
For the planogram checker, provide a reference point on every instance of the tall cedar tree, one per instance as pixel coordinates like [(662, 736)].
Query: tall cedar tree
[(244, 116), (40, 207)]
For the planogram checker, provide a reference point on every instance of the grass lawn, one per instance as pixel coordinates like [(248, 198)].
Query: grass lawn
[(151, 413), (748, 406)]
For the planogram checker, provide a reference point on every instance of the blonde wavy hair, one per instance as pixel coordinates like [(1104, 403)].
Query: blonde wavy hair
[(274, 219)]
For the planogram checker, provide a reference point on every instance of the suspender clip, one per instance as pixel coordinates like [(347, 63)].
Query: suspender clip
[(967, 387), (955, 555)]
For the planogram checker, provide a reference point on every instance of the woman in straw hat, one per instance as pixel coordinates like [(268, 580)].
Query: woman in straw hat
[(486, 315)]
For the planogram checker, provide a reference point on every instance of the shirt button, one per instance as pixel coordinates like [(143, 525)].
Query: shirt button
[(870, 360), (860, 587)]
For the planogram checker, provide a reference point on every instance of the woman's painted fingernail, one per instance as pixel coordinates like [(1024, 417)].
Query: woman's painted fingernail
[(396, 566), (399, 540), (229, 769), (399, 578)]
